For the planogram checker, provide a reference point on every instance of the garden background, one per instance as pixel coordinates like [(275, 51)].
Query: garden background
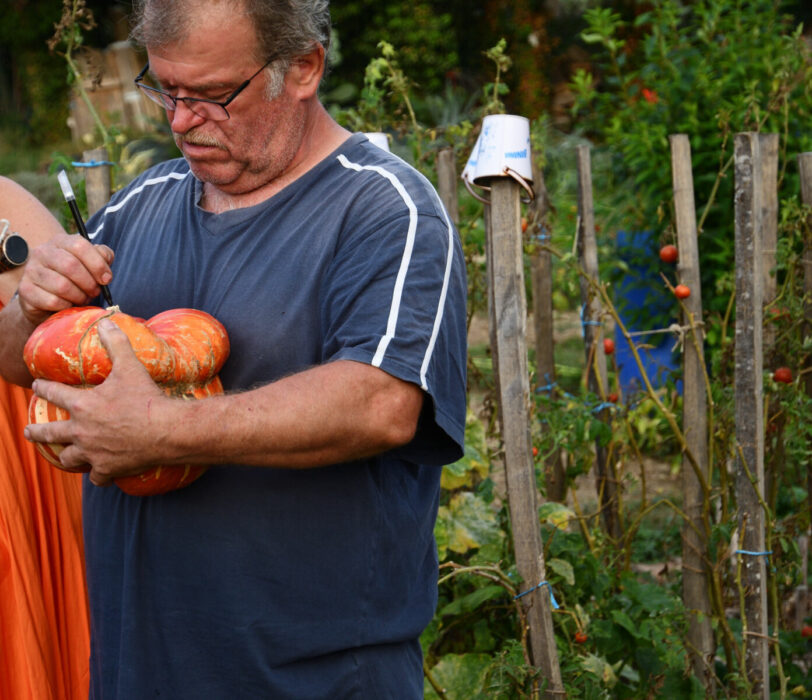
[(618, 78)]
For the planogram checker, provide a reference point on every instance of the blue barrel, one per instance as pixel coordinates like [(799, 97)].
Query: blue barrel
[(644, 303)]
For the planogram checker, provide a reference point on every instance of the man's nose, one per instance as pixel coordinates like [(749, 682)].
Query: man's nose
[(181, 119)]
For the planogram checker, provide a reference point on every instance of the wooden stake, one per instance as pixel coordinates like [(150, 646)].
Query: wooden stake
[(447, 183), (695, 574), (606, 482), (749, 409), (97, 179), (509, 318)]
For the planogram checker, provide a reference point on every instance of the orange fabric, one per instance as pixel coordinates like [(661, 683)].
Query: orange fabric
[(44, 629)]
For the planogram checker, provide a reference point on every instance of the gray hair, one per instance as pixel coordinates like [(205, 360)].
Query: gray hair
[(285, 29)]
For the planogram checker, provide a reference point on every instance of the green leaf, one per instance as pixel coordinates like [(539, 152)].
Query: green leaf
[(557, 514), (473, 466), (591, 38), (600, 668), (622, 619), (563, 569), (466, 523), (459, 675), (472, 601)]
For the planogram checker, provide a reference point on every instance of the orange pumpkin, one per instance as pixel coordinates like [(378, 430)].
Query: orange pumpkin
[(182, 349)]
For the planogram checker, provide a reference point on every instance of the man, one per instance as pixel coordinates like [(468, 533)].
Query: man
[(303, 564), (44, 632)]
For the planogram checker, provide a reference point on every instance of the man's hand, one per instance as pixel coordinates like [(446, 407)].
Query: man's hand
[(66, 271), (115, 428)]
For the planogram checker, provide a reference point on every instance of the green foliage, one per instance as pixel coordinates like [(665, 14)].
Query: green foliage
[(424, 37), (708, 69)]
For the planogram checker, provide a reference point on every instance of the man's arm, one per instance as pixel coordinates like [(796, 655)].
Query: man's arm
[(332, 413), (61, 271)]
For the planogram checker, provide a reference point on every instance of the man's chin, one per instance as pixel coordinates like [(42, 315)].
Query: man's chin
[(209, 171)]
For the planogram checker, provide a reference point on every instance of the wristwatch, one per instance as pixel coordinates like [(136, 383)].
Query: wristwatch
[(13, 250)]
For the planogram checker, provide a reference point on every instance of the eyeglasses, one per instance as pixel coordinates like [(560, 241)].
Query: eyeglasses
[(208, 109)]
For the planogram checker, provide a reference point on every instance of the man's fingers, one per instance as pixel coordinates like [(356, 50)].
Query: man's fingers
[(99, 480), (66, 271), (107, 254), (55, 432), (95, 259), (56, 393), (117, 344)]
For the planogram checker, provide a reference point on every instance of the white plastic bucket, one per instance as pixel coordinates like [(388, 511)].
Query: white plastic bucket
[(379, 139), (504, 145)]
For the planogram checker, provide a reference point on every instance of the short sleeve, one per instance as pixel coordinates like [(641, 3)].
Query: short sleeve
[(395, 299)]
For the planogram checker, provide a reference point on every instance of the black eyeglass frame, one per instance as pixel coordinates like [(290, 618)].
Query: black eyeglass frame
[(164, 98)]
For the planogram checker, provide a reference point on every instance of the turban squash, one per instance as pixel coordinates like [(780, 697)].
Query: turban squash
[(182, 349)]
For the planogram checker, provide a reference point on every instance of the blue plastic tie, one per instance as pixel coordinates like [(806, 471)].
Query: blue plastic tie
[(754, 554), (90, 163), (548, 387), (584, 322), (553, 601)]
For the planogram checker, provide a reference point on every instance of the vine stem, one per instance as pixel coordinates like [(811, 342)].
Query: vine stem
[(433, 681), (77, 75)]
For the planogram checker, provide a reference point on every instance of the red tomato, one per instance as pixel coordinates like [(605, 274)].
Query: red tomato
[(613, 397), (608, 346), (535, 451), (783, 375), (669, 254), (524, 224), (580, 637), (779, 313), (806, 631), (682, 291)]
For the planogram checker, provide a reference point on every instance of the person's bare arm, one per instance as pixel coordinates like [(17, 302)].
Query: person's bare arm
[(332, 413), (61, 271)]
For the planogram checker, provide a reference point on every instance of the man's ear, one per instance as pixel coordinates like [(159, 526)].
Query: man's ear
[(305, 73)]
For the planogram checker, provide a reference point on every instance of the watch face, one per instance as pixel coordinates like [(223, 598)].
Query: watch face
[(13, 252)]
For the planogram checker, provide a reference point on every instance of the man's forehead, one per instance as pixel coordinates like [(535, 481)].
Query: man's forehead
[(212, 51), (212, 29)]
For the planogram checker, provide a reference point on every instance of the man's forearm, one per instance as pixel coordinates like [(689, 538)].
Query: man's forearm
[(333, 413), (15, 329)]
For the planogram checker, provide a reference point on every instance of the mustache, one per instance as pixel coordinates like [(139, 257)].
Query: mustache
[(197, 138)]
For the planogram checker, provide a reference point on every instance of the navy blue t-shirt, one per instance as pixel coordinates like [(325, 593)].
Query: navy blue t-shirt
[(272, 583)]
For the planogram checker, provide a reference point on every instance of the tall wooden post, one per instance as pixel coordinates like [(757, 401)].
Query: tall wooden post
[(447, 183), (542, 280), (509, 316), (606, 482), (749, 410), (97, 179), (695, 561)]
